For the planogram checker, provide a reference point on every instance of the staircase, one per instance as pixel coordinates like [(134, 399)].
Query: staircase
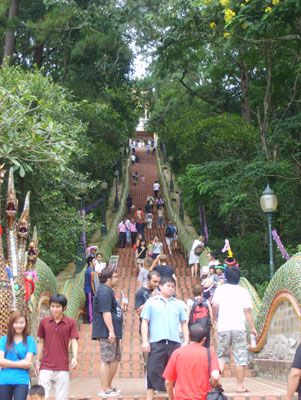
[(85, 382)]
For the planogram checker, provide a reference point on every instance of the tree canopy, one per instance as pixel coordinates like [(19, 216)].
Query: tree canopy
[(67, 107)]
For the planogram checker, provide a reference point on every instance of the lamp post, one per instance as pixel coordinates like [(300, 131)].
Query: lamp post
[(80, 250), (164, 153), (116, 203), (120, 162), (104, 187), (171, 185), (181, 212), (268, 203)]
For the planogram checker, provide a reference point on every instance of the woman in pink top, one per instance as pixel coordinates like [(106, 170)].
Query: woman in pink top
[(133, 231)]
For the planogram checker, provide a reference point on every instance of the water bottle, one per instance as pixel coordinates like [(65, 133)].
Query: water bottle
[(252, 340)]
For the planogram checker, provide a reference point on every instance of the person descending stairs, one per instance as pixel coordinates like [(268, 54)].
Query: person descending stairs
[(85, 382)]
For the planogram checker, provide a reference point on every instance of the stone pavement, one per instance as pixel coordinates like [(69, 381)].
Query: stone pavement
[(259, 389), (85, 382)]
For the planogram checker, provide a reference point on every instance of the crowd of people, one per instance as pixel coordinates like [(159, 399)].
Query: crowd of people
[(51, 364), (175, 334)]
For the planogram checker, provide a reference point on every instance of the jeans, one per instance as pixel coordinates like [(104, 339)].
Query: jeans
[(19, 392)]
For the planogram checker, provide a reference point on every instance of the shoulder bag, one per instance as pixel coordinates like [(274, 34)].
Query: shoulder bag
[(214, 394)]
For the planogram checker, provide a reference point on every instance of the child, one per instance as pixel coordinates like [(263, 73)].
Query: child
[(142, 178), (37, 392)]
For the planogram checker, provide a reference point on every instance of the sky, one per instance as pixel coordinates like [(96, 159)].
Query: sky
[(140, 65)]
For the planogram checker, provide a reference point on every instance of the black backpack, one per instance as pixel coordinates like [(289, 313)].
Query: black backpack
[(199, 314), (168, 232)]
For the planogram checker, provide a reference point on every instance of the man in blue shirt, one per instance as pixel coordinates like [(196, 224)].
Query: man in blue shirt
[(169, 235), (161, 317)]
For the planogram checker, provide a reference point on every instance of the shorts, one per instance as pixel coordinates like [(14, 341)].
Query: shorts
[(168, 240), (140, 260), (110, 351), (238, 341), (156, 363)]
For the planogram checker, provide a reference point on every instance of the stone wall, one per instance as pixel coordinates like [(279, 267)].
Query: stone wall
[(275, 358)]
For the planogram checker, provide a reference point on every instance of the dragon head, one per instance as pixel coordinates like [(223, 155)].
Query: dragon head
[(33, 250), (11, 200), (23, 228)]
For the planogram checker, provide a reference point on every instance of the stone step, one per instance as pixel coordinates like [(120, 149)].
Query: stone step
[(85, 380)]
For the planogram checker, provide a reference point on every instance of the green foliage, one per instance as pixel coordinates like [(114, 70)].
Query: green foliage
[(38, 124), (261, 288), (56, 145), (55, 139)]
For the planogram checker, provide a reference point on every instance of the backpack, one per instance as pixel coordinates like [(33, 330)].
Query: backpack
[(198, 250), (168, 232), (199, 314)]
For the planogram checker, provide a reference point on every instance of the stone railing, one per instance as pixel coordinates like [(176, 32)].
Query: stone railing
[(73, 288), (187, 234), (278, 322), (110, 241)]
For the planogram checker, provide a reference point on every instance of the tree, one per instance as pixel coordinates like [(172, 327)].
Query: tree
[(10, 33)]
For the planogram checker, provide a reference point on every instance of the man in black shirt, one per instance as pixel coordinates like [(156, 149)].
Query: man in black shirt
[(294, 380), (107, 328), (143, 295), (161, 266)]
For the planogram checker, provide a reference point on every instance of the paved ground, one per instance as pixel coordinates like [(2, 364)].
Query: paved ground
[(134, 388)]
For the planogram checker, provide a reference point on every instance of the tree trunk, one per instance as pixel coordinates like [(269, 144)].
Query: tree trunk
[(264, 123), (10, 34), (38, 57), (244, 79)]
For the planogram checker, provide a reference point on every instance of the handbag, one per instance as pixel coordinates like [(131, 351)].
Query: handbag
[(140, 254), (198, 250), (214, 394)]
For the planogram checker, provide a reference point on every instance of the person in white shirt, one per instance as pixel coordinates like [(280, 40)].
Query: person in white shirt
[(232, 303), (194, 259), (156, 187)]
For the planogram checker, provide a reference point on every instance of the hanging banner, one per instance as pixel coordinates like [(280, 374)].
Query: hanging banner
[(280, 245), (203, 222)]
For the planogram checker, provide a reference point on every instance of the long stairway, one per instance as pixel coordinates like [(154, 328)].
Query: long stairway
[(85, 383)]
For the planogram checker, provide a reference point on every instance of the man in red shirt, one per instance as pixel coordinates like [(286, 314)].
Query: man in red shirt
[(54, 333), (188, 366)]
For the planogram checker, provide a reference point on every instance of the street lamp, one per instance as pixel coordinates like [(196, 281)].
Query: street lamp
[(116, 203), (80, 250), (82, 191), (171, 185), (181, 212), (268, 203), (164, 153), (120, 162), (104, 187)]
